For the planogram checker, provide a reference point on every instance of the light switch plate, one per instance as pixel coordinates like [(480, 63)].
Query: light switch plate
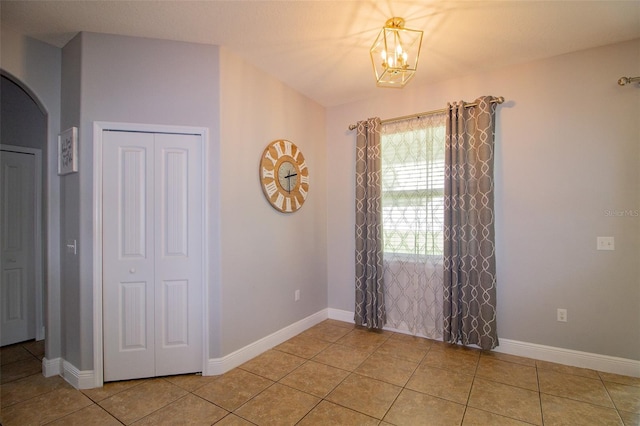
[(72, 247), (606, 243)]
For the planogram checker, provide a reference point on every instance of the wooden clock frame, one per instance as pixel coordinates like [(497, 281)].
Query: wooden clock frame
[(282, 153)]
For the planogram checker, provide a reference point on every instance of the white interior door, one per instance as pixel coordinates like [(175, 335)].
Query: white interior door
[(17, 260), (152, 254)]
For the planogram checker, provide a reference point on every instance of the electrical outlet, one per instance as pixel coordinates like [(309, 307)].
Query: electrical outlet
[(606, 243), (296, 295), (562, 315)]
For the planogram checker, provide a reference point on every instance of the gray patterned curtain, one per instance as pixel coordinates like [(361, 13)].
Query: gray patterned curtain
[(369, 309), (469, 239)]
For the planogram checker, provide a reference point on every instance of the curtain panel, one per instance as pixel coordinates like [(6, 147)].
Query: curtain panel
[(469, 238), (412, 210), (369, 308)]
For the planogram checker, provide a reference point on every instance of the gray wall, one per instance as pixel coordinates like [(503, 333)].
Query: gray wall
[(267, 255), (568, 151), (70, 301)]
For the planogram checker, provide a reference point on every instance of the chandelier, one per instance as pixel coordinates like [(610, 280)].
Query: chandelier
[(394, 54)]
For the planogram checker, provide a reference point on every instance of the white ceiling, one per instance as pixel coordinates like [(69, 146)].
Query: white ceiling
[(321, 48)]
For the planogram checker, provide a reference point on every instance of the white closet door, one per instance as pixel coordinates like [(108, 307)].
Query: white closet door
[(152, 254), (17, 282), (128, 255), (178, 254)]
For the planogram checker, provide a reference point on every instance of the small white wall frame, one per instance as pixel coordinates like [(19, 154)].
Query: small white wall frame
[(68, 151)]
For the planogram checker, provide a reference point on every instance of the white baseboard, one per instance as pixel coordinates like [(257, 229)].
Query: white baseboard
[(217, 366), (76, 378), (340, 315), (86, 379), (51, 367), (604, 363)]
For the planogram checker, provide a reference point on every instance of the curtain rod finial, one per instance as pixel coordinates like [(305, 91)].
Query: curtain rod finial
[(623, 81)]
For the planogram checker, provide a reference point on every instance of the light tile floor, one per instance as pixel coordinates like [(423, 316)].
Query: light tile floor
[(333, 374)]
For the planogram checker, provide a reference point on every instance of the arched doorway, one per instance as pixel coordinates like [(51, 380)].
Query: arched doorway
[(23, 139)]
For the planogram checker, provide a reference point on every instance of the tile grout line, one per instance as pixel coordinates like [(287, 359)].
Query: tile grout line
[(466, 405), (615, 406), (475, 374), (403, 387), (539, 394), (354, 372), (343, 380), (347, 376)]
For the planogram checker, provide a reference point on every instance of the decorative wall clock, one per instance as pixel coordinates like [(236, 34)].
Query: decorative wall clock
[(68, 151), (284, 176)]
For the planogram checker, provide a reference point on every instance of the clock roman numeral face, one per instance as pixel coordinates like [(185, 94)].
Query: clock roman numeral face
[(278, 148), (279, 200), (266, 173), (270, 158), (287, 148), (284, 176), (271, 188)]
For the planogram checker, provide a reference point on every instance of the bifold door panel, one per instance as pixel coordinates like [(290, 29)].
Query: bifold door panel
[(152, 254)]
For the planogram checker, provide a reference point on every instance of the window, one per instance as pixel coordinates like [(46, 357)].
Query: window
[(413, 186)]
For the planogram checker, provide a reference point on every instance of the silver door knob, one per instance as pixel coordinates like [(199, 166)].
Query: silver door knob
[(132, 270)]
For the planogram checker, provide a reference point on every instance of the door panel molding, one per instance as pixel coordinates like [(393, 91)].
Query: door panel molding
[(38, 236), (98, 128)]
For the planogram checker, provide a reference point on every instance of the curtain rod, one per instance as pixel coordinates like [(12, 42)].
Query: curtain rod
[(495, 100), (628, 80)]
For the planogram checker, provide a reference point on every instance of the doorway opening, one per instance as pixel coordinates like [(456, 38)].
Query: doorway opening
[(24, 144)]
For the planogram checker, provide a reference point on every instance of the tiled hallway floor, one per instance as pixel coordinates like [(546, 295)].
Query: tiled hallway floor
[(333, 374)]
